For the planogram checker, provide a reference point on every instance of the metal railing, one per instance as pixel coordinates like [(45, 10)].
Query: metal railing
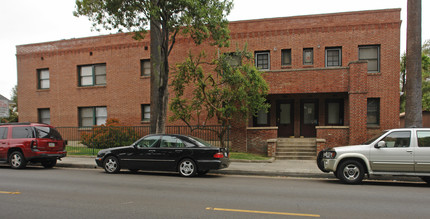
[(75, 146)]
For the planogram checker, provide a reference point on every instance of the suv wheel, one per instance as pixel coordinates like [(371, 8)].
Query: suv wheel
[(350, 172), (17, 160), (49, 163)]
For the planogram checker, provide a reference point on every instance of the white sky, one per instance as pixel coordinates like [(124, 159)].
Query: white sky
[(30, 21)]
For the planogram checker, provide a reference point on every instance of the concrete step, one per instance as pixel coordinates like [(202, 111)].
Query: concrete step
[(296, 158), (304, 149), (296, 148)]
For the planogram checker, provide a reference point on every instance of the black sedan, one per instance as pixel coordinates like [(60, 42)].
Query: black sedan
[(184, 154)]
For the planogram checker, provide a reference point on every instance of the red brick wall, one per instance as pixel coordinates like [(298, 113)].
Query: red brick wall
[(126, 90), (257, 139), (332, 136)]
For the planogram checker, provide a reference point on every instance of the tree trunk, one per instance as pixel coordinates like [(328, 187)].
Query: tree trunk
[(159, 77), (413, 109)]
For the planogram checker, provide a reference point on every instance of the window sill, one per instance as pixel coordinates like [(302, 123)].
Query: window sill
[(145, 76), (374, 73), (92, 87), (145, 122), (308, 66), (373, 126), (286, 67), (43, 90)]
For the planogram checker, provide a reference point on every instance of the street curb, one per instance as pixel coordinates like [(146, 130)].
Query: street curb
[(276, 174)]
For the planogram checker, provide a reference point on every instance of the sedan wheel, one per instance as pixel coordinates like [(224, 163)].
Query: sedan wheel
[(187, 167), (111, 165), (351, 172), (17, 160)]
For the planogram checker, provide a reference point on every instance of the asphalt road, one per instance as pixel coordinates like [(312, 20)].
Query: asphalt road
[(85, 193)]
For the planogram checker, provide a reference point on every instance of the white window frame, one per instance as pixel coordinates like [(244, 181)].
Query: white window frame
[(92, 76)]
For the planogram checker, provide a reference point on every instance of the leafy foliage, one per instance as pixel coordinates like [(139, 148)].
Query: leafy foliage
[(425, 64), (198, 19), (229, 87), (112, 134), (13, 108)]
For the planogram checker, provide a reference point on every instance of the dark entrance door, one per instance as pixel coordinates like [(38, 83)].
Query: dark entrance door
[(285, 118), (309, 118)]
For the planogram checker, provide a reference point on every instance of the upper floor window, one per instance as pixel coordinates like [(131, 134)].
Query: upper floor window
[(43, 78), (333, 57), (44, 116), (233, 59), (373, 111), (262, 60), (286, 57), (145, 67), (308, 56), (90, 116), (92, 75), (371, 55), (146, 112)]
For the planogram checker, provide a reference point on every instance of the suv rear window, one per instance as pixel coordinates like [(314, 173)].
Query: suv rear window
[(22, 132), (47, 132)]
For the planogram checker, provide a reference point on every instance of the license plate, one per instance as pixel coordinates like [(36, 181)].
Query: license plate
[(51, 144)]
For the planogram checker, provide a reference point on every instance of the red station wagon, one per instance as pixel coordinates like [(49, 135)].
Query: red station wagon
[(21, 143)]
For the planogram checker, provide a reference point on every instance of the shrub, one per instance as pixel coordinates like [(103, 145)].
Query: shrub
[(112, 134)]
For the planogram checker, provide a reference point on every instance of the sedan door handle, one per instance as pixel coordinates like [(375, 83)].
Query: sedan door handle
[(151, 150), (178, 151), (409, 151)]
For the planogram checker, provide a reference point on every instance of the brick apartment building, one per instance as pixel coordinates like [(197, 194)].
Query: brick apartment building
[(333, 78)]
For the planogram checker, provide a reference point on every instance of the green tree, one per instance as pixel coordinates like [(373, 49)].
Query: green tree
[(227, 88), (425, 60), (13, 107), (199, 19)]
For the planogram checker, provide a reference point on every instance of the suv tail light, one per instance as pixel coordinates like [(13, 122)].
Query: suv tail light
[(219, 155), (33, 144)]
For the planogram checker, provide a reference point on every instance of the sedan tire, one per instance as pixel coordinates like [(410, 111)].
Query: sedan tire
[(111, 165), (187, 168), (350, 172)]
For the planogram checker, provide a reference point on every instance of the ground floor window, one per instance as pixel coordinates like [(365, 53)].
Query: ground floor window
[(373, 111), (146, 112), (334, 112), (90, 116), (262, 118), (44, 116)]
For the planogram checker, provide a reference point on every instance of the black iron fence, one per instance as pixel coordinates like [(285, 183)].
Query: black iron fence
[(77, 137)]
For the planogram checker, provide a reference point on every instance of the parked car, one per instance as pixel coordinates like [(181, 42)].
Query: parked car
[(21, 143), (187, 155), (397, 152)]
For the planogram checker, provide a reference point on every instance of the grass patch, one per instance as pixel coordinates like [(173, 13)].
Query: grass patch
[(81, 151), (247, 156)]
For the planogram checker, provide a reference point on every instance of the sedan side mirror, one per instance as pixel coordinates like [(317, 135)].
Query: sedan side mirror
[(381, 144)]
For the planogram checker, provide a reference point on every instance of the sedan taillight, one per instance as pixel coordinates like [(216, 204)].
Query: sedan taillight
[(219, 155)]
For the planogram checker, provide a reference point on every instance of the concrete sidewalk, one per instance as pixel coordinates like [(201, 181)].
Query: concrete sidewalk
[(297, 168)]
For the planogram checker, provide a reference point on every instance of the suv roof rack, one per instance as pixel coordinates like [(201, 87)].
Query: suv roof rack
[(16, 123)]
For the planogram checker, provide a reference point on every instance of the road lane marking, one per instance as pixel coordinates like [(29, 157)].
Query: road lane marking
[(263, 212), (12, 193)]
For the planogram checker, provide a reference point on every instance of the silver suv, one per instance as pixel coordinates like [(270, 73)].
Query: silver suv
[(398, 152)]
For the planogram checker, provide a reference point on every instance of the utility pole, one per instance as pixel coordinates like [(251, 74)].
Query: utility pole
[(413, 109)]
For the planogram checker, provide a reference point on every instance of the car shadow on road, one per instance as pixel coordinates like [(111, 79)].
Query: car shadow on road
[(167, 174), (410, 182)]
